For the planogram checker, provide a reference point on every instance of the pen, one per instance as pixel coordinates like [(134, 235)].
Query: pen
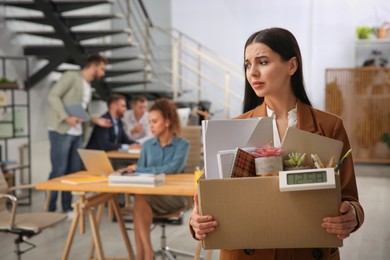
[(315, 161), (342, 160)]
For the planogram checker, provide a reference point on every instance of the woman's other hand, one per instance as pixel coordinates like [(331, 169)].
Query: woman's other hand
[(201, 224), (128, 169), (342, 225)]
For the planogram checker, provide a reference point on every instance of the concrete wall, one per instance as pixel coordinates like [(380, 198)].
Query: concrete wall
[(325, 29)]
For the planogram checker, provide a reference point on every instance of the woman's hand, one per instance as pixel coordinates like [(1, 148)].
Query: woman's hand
[(131, 168), (135, 146), (342, 225), (201, 224), (128, 169)]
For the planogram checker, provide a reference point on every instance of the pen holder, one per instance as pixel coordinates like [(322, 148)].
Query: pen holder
[(197, 175)]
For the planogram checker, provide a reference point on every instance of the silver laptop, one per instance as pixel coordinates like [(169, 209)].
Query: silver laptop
[(96, 162)]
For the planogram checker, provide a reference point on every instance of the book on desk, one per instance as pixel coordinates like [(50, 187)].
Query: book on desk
[(130, 150), (85, 180), (136, 179)]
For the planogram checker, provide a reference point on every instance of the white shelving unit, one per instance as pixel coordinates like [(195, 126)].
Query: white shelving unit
[(364, 50), (15, 141)]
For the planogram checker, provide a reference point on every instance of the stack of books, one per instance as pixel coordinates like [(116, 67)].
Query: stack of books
[(136, 179)]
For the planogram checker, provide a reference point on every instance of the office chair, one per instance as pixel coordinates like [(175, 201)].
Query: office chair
[(23, 225), (175, 218), (193, 134)]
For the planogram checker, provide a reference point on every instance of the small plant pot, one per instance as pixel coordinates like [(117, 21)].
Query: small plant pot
[(296, 168), (381, 33), (268, 165)]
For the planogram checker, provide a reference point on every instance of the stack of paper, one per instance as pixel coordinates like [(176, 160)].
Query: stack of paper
[(136, 179), (221, 135)]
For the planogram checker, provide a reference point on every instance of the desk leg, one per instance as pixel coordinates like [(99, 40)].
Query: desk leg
[(110, 216), (198, 250), (209, 254), (114, 204), (72, 230), (82, 214), (99, 217), (95, 233)]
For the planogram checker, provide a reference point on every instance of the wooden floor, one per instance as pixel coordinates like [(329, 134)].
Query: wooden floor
[(372, 241)]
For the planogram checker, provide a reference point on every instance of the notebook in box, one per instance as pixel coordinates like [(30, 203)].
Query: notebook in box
[(243, 164), (225, 160)]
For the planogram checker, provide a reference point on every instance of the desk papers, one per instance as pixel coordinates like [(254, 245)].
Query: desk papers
[(221, 135)]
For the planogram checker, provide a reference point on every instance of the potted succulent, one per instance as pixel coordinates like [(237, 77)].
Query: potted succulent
[(268, 159), (295, 161)]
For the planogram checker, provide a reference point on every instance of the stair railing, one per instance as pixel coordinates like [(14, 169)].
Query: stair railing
[(192, 71)]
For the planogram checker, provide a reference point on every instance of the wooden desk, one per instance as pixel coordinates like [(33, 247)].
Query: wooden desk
[(176, 184), (123, 155)]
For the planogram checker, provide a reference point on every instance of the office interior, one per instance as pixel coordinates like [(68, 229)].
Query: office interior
[(191, 51)]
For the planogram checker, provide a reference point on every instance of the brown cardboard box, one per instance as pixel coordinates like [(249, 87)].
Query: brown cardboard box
[(253, 213)]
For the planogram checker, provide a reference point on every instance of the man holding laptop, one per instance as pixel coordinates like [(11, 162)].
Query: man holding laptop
[(66, 130)]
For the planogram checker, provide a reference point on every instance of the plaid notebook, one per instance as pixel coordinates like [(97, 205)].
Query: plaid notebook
[(243, 164)]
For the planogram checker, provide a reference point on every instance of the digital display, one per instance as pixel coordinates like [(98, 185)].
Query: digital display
[(306, 177)]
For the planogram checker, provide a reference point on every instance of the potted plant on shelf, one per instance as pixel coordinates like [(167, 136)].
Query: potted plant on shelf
[(7, 84), (381, 31), (363, 32)]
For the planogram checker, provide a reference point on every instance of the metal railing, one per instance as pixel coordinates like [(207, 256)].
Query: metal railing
[(173, 61), (181, 64)]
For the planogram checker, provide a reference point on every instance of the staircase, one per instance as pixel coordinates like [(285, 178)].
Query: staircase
[(145, 59)]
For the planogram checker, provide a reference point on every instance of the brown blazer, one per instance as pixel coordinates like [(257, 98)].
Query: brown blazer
[(326, 124)]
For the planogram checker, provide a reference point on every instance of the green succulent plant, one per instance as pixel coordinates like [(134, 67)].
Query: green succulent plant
[(363, 32), (295, 160)]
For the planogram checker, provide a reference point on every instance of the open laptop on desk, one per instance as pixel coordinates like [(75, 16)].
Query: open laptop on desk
[(96, 162)]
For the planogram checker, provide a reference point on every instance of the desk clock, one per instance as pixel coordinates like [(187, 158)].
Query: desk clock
[(308, 179)]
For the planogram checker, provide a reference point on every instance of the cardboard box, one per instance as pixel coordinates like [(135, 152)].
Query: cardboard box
[(254, 214)]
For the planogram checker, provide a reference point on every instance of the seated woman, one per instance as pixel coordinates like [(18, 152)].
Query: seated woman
[(165, 153)]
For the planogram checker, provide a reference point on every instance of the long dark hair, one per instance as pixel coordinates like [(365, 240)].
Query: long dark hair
[(284, 43)]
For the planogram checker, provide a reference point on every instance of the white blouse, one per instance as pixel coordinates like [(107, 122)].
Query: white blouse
[(292, 122)]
